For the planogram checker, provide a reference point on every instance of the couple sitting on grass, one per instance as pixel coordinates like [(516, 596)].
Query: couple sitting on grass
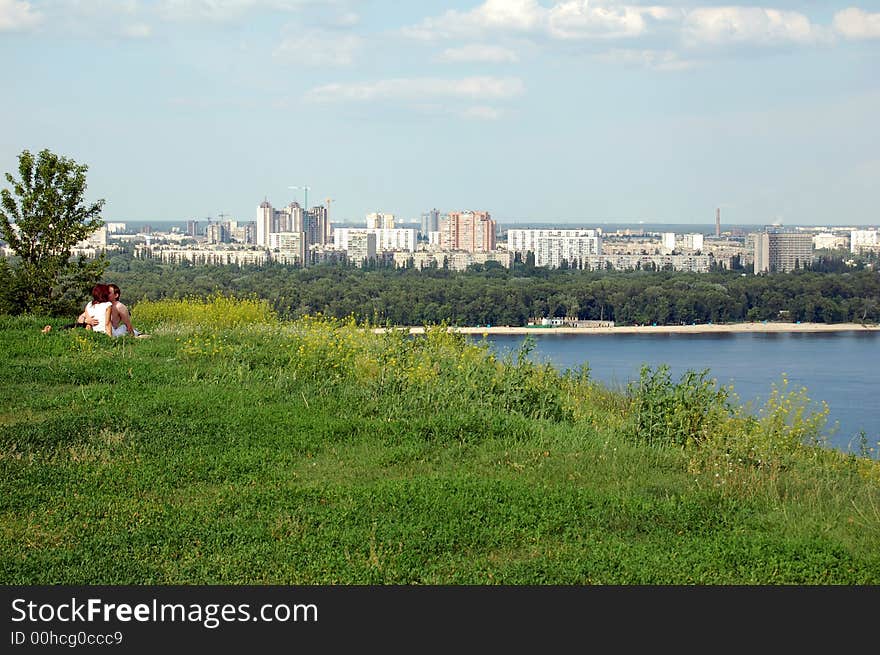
[(104, 313)]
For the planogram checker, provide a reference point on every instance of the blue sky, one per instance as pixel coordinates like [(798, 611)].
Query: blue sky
[(558, 111)]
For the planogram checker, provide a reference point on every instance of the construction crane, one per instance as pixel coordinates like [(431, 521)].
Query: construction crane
[(306, 189)]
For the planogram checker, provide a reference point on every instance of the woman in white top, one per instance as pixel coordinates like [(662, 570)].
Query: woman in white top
[(99, 308)]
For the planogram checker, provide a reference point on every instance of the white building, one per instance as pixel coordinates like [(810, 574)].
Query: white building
[(387, 239), (830, 241), (378, 220), (864, 239), (291, 245), (456, 260), (552, 247), (671, 241), (269, 220), (691, 241), (96, 240), (692, 262), (202, 256), (241, 232), (361, 246), (265, 217)]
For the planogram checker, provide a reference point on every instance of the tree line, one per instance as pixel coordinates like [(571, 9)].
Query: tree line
[(493, 295)]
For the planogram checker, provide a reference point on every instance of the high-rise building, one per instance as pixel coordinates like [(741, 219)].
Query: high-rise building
[(718, 222), (242, 232), (361, 246), (552, 247), (317, 226), (397, 239), (192, 228), (691, 241), (217, 233), (291, 245), (378, 220), (265, 218), (313, 224), (430, 222), (670, 241), (290, 218), (473, 231), (783, 252)]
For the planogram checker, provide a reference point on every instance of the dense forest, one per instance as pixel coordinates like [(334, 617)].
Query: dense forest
[(493, 295)]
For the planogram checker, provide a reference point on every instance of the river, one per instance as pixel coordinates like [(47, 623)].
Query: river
[(840, 368)]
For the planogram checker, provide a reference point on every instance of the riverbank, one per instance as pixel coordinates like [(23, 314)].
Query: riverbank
[(659, 329)]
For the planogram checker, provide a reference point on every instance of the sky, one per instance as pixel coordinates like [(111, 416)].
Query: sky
[(550, 111)]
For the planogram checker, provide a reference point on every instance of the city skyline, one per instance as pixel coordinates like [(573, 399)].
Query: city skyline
[(553, 112)]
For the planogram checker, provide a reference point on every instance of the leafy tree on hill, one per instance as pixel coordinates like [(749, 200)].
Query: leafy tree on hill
[(42, 218)]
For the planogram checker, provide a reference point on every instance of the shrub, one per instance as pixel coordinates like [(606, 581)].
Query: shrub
[(777, 433), (215, 311), (664, 412)]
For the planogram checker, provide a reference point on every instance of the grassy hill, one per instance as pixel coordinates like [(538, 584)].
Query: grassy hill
[(233, 448)]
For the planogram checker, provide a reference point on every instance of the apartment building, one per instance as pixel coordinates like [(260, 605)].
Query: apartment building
[(471, 231), (783, 252), (553, 247), (387, 240), (361, 246)]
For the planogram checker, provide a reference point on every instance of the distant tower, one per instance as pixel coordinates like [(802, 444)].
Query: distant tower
[(717, 222), (430, 222), (265, 218)]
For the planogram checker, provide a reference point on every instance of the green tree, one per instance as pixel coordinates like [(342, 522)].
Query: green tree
[(42, 218)]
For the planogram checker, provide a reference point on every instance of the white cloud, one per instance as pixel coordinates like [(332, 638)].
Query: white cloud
[(137, 31), (570, 19), (16, 15), (95, 18), (482, 88), (212, 10), (144, 18), (737, 25), (660, 60), (346, 19), (319, 48), (855, 23), (478, 53), (505, 15), (578, 20), (219, 10), (481, 113)]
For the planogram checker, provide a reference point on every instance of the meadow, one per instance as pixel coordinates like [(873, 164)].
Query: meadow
[(233, 447)]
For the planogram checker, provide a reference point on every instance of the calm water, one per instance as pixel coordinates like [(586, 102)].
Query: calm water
[(841, 368)]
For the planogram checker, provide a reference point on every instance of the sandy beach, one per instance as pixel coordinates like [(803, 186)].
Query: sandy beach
[(659, 329)]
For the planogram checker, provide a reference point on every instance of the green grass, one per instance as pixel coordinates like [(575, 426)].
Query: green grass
[(232, 448)]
